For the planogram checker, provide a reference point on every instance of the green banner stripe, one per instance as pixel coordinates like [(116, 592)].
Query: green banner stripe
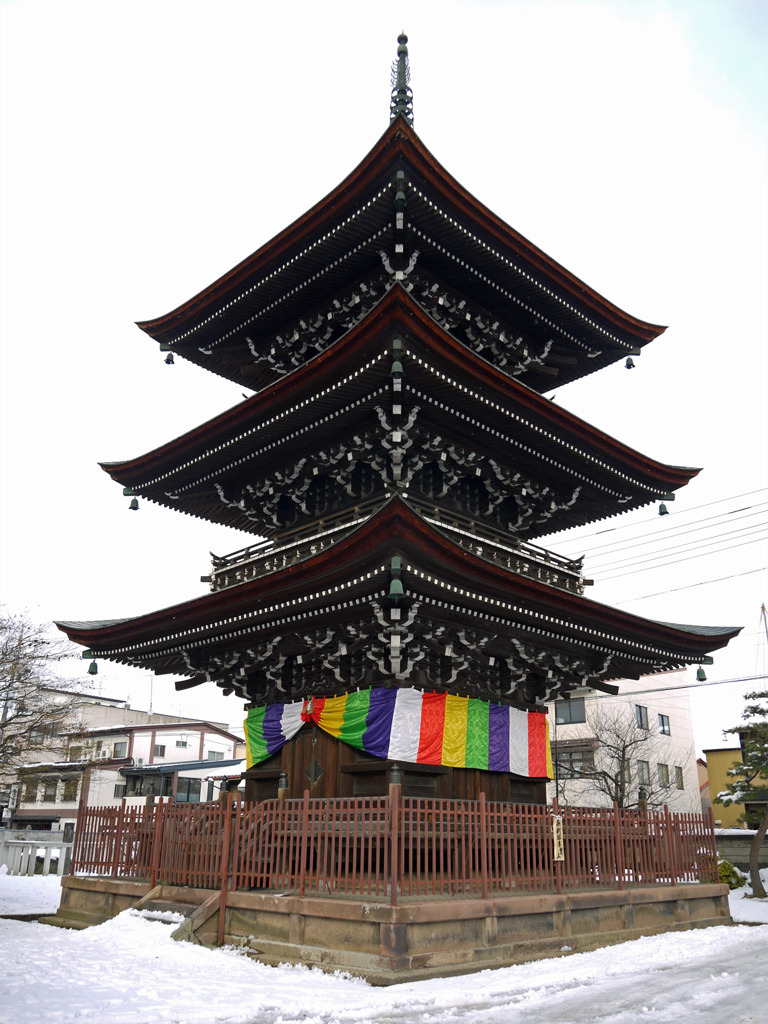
[(254, 735), (356, 718), (477, 734)]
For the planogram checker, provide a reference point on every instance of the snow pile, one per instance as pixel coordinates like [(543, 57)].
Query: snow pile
[(130, 971), (34, 894), (746, 909)]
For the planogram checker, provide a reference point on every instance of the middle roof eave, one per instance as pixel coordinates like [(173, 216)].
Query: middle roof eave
[(362, 354)]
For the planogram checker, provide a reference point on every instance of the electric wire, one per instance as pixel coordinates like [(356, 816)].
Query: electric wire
[(701, 583), (652, 537), (677, 561), (681, 686), (680, 531), (698, 544), (579, 539)]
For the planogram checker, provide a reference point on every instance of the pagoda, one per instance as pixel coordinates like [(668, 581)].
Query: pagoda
[(393, 475)]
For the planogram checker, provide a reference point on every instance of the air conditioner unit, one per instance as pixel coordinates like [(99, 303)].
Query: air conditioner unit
[(139, 761), (103, 754)]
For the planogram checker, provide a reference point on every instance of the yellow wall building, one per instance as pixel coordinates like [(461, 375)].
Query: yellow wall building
[(728, 815)]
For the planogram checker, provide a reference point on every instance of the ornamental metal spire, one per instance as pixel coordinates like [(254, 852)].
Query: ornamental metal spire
[(402, 97)]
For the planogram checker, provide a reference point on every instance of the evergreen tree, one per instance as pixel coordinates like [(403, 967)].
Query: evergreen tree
[(749, 776)]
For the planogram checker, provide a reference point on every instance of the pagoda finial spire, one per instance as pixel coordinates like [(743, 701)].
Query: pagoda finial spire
[(402, 97)]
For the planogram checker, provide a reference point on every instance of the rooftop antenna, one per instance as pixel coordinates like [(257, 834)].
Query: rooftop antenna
[(401, 103)]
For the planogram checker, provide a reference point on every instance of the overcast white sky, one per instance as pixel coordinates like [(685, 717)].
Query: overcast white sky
[(147, 147)]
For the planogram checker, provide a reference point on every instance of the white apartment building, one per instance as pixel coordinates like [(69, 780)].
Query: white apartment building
[(643, 737), (129, 753)]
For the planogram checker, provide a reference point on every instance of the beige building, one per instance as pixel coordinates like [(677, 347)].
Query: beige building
[(609, 747)]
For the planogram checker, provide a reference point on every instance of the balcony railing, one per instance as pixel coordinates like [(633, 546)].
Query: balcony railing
[(267, 556)]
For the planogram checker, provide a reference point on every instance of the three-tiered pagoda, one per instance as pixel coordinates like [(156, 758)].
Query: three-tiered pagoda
[(393, 476)]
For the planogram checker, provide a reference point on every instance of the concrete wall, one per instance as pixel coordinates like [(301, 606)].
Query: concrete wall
[(734, 845)]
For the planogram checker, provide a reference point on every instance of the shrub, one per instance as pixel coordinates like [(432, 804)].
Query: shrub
[(730, 875)]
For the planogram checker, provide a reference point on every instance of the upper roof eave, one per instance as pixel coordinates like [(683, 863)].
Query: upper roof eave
[(398, 142)]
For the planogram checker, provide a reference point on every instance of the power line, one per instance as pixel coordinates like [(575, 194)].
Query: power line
[(699, 544), (676, 531), (695, 508), (682, 686), (702, 583), (676, 561)]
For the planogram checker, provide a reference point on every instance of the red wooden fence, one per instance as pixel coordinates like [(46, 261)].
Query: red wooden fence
[(393, 846)]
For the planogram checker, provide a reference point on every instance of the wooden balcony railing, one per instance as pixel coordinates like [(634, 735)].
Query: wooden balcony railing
[(266, 556), (394, 847)]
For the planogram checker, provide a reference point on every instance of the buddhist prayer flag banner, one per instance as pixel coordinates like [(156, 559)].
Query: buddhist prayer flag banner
[(408, 725)]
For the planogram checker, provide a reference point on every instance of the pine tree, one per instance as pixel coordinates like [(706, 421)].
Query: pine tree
[(750, 776)]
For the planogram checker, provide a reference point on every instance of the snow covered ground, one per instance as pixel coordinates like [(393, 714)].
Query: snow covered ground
[(129, 971)]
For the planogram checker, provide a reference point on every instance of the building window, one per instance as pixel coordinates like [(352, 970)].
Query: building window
[(39, 733), (143, 785), (75, 753), (576, 762), (663, 775), (119, 792), (664, 725), (215, 755), (641, 716), (643, 773), (568, 712), (159, 750), (120, 749), (49, 789), (188, 791), (181, 743), (679, 781), (70, 789), (30, 792)]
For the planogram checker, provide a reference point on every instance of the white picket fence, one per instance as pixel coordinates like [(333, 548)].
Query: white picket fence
[(35, 856)]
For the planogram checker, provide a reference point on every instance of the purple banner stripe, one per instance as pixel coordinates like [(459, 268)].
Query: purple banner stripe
[(379, 722), (272, 728), (498, 738)]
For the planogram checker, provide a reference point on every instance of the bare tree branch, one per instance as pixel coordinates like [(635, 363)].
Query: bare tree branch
[(35, 707)]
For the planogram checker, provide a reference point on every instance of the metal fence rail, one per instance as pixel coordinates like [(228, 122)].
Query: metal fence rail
[(394, 847)]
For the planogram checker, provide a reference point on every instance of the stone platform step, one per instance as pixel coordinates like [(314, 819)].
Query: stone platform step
[(160, 909), (76, 919)]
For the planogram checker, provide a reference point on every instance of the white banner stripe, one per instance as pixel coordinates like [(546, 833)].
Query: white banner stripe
[(290, 721), (406, 726), (518, 741)]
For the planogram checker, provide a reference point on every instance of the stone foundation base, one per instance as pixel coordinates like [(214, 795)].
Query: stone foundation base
[(420, 938)]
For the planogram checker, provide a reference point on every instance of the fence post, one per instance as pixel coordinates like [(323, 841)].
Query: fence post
[(394, 823), (619, 842), (82, 812), (558, 862), (157, 842), (226, 860), (483, 847), (118, 837), (671, 828), (304, 844), (714, 856)]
